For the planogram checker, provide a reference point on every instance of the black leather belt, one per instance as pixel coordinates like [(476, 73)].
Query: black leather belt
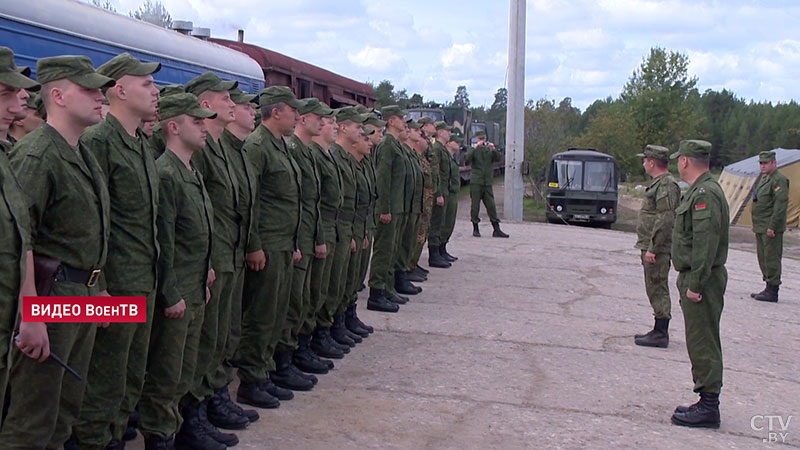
[(86, 277)]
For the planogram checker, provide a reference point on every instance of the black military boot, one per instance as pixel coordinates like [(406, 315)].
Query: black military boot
[(322, 346), (229, 439), (753, 294), (399, 299), (158, 443), (415, 276), (403, 286), (659, 337), (304, 359), (704, 415), (497, 231), (350, 333), (339, 333), (221, 416), (193, 435), (310, 377), (352, 323), (770, 294), (476, 232), (225, 396), (283, 375), (377, 302), (251, 394), (423, 270), (445, 255), (276, 391), (369, 329), (435, 259), (133, 424)]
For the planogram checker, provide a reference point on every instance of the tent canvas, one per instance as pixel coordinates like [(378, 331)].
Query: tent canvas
[(739, 179)]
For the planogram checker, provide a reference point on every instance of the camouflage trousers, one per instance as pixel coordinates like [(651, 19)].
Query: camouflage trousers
[(656, 279), (424, 226), (770, 252)]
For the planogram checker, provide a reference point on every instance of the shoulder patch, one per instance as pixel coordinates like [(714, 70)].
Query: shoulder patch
[(700, 206), (778, 188)]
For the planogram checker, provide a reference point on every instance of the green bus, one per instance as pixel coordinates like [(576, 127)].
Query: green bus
[(582, 187)]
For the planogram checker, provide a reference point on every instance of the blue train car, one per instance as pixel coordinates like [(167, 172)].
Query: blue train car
[(39, 28)]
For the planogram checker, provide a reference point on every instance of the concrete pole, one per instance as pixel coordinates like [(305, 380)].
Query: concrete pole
[(515, 118)]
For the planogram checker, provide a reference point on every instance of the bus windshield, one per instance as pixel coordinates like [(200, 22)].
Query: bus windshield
[(599, 176), (436, 116), (590, 176), (570, 174)]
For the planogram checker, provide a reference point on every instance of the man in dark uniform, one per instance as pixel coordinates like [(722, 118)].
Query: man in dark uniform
[(654, 239), (119, 358), (699, 253), (69, 211), (451, 176), (482, 158), (770, 201), (437, 257)]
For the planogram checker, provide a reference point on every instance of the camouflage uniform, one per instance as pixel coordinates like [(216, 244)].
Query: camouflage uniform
[(770, 201), (428, 199)]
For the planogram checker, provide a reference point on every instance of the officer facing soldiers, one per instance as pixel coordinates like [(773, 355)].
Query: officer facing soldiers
[(185, 233), (482, 158), (16, 259), (654, 239), (119, 358), (699, 253), (770, 201), (69, 214)]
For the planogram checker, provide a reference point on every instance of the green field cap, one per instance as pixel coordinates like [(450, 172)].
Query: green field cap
[(209, 81), (314, 106), (391, 110), (367, 131), (77, 69), (240, 97), (171, 89), (766, 156), (178, 104), (693, 148), (372, 119), (11, 75), (425, 120), (349, 113), (279, 94), (480, 134), (443, 126), (363, 109), (412, 125), (125, 64), (655, 152)]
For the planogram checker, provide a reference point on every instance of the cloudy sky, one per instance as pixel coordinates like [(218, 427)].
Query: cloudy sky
[(581, 49)]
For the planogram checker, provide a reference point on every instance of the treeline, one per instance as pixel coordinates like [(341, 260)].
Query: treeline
[(661, 105)]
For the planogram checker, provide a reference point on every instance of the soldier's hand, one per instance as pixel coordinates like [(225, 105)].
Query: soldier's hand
[(176, 311), (386, 218), (694, 296), (770, 233), (256, 261), (208, 295), (33, 340), (365, 244), (440, 201), (650, 257), (353, 246), (490, 145), (212, 277), (297, 256), (320, 251)]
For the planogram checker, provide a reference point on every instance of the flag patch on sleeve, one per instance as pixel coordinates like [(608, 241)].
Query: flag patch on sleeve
[(777, 188), (699, 206)]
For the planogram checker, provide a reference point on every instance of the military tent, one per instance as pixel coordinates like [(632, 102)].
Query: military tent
[(740, 179)]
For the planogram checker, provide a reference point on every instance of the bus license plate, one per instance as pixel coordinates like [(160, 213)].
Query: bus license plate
[(581, 217)]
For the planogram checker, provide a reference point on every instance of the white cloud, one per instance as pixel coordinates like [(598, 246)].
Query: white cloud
[(380, 59), (458, 55)]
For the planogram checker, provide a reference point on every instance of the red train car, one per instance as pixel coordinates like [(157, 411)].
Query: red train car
[(306, 80)]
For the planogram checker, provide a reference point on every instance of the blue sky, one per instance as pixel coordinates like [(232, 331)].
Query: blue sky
[(581, 49)]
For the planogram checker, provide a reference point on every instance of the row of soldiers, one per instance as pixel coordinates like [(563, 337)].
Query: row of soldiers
[(248, 236)]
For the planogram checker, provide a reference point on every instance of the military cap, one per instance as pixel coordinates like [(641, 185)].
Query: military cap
[(125, 64), (480, 134), (30, 102), (412, 125), (38, 104), (372, 119), (178, 104), (77, 69), (425, 120), (391, 110), (443, 126), (367, 131), (454, 138), (278, 94), (362, 109), (171, 89), (13, 76), (655, 152), (209, 81), (693, 148), (239, 97), (767, 156), (349, 113), (314, 106)]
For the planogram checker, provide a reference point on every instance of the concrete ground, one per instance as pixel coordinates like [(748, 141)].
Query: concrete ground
[(527, 343)]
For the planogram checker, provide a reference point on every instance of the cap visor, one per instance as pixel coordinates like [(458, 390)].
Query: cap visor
[(640, 155), (92, 81), (675, 155), (246, 98), (146, 69), (18, 81), (294, 103), (226, 86), (201, 113)]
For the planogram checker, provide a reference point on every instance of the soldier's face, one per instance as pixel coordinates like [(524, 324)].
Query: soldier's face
[(30, 122), (375, 138), (683, 163), (147, 127), (768, 167), (10, 107), (23, 102), (220, 103), (85, 106), (329, 130), (429, 129), (350, 131), (365, 145), (287, 118), (245, 116), (140, 94), (192, 132), (312, 123)]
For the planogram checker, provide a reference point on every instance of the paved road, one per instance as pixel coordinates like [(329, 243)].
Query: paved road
[(527, 343)]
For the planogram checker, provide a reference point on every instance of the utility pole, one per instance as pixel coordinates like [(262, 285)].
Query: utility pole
[(515, 114)]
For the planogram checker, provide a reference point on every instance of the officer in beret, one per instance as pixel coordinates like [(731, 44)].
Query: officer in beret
[(654, 239), (16, 278), (699, 253), (119, 358), (272, 251), (69, 217), (482, 158), (185, 236), (770, 201)]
